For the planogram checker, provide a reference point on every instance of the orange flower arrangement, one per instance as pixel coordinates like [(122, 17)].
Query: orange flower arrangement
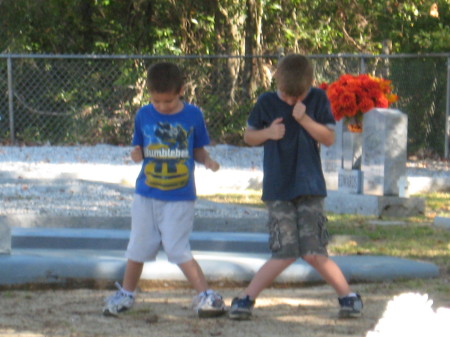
[(352, 96)]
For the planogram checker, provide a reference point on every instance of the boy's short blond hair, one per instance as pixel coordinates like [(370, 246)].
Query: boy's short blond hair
[(294, 75)]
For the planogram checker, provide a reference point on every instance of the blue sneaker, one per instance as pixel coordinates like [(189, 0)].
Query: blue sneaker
[(241, 308), (351, 306)]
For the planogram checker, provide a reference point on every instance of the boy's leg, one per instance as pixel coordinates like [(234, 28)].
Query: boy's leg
[(133, 272), (175, 227), (313, 240), (350, 303), (241, 307), (143, 246), (207, 303), (177, 222), (283, 242), (266, 275), (330, 272), (194, 275)]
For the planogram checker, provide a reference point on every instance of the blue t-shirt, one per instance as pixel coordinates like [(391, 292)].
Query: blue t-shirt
[(292, 165), (168, 143)]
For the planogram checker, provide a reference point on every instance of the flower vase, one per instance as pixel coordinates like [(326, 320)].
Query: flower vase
[(351, 150), (350, 175), (354, 124)]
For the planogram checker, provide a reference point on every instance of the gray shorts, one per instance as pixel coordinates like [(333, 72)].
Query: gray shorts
[(297, 227), (156, 223)]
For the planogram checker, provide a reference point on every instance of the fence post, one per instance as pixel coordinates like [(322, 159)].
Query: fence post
[(447, 111), (10, 100), (362, 65)]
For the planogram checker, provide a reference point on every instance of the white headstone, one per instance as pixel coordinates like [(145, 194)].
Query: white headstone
[(331, 157), (350, 181), (384, 151), (5, 239)]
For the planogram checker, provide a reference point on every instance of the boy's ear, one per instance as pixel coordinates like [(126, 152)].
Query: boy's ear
[(181, 93)]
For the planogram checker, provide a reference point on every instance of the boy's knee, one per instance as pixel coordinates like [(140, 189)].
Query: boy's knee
[(285, 260), (290, 260), (314, 259)]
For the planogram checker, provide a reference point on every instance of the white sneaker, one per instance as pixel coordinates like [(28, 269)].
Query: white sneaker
[(208, 304), (118, 302)]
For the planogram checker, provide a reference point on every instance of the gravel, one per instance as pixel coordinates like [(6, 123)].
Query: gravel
[(99, 180)]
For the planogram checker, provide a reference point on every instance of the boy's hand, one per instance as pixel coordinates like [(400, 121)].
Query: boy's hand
[(299, 111), (277, 129), (137, 154), (211, 164)]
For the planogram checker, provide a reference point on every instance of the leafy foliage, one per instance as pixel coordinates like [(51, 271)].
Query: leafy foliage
[(229, 27), (211, 27)]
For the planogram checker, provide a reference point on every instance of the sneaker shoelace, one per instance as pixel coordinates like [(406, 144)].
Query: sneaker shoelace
[(215, 298), (350, 301), (118, 294), (245, 302)]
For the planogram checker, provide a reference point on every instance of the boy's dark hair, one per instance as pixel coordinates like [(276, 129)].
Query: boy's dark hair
[(164, 77), (294, 75)]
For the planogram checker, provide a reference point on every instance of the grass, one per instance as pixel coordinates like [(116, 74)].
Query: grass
[(438, 204), (250, 198), (411, 237)]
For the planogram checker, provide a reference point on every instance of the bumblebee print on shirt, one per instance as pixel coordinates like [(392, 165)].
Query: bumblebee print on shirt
[(168, 143), (166, 169)]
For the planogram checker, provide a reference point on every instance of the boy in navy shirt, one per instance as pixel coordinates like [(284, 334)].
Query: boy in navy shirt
[(290, 124)]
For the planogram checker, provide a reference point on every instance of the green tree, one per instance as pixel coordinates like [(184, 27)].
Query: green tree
[(218, 27), (223, 87)]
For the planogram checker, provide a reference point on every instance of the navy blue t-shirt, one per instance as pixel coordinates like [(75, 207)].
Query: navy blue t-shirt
[(292, 165)]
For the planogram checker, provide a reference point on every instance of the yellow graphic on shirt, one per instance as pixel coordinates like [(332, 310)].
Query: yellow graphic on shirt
[(168, 154), (166, 171)]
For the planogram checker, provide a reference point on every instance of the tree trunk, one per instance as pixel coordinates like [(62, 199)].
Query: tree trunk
[(257, 71)]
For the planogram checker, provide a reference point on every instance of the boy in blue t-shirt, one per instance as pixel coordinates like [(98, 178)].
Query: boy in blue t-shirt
[(290, 124), (169, 135)]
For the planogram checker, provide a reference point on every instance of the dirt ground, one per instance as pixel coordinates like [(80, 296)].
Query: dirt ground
[(292, 311)]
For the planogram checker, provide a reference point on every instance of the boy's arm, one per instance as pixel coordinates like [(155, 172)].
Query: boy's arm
[(275, 131), (202, 156), (319, 132), (137, 154)]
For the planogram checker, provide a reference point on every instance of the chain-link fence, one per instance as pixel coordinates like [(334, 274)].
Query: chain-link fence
[(74, 99)]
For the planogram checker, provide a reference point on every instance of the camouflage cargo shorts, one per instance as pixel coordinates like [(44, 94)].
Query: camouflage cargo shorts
[(297, 227)]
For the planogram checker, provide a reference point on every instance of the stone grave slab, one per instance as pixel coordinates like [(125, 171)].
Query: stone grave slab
[(364, 204), (331, 157), (5, 239), (442, 222), (350, 181), (384, 151)]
